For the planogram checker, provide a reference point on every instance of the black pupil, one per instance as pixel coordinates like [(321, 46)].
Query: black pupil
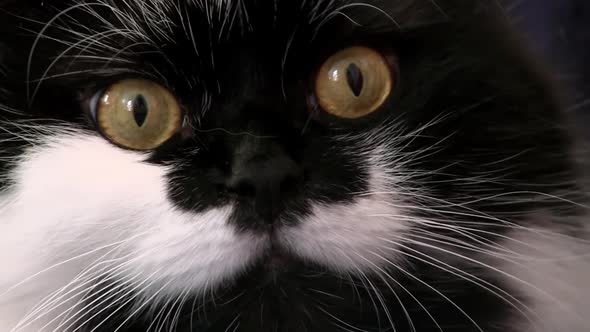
[(354, 76), (140, 110)]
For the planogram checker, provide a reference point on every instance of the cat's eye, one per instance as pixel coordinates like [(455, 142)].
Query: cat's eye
[(137, 114), (353, 82)]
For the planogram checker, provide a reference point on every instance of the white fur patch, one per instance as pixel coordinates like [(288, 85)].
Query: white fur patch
[(347, 237), (78, 196), (552, 271)]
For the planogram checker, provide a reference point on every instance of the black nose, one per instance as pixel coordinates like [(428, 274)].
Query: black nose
[(263, 174)]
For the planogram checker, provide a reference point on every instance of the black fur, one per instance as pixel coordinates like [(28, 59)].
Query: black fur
[(459, 64)]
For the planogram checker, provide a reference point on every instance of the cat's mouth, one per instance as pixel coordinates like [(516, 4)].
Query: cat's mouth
[(277, 259), (278, 255)]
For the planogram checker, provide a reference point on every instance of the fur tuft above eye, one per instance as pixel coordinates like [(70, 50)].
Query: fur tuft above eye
[(353, 82), (137, 114)]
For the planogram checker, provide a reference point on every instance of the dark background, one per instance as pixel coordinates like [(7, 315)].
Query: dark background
[(560, 32)]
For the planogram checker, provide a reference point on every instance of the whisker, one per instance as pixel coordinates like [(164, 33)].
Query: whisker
[(385, 273), (485, 285), (489, 267), (136, 311), (65, 262)]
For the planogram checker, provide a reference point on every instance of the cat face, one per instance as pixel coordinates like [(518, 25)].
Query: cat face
[(159, 151)]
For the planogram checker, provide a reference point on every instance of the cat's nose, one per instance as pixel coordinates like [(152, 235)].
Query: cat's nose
[(265, 176)]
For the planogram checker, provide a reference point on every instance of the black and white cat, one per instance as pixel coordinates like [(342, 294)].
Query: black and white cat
[(284, 165)]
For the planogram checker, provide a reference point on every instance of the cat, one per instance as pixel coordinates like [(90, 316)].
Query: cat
[(282, 165)]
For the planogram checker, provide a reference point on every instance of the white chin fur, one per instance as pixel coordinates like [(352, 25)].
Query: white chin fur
[(80, 207)]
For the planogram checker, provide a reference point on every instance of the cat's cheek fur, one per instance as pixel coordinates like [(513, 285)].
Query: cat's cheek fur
[(350, 238), (80, 209), (549, 270)]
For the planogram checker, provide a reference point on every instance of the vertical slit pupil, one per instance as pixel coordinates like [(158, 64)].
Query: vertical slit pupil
[(354, 76), (140, 110)]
